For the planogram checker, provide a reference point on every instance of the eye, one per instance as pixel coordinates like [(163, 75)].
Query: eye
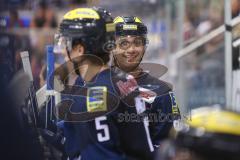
[(124, 44), (138, 42)]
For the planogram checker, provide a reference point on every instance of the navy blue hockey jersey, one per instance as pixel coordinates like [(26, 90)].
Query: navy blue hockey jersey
[(121, 132), (96, 138), (144, 130), (164, 106)]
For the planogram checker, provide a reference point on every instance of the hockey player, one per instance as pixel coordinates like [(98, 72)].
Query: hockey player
[(156, 97), (91, 132), (92, 125)]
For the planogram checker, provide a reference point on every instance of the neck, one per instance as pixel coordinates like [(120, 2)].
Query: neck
[(88, 72), (136, 72)]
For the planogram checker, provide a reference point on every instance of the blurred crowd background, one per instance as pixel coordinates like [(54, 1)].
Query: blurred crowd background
[(172, 25)]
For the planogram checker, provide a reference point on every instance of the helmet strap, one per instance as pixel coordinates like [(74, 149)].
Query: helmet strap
[(75, 65)]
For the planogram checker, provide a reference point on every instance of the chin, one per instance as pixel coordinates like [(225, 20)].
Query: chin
[(130, 68)]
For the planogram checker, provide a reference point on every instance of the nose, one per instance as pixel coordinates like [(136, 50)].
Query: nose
[(131, 48)]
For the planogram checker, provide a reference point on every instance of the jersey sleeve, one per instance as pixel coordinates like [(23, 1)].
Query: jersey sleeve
[(163, 113)]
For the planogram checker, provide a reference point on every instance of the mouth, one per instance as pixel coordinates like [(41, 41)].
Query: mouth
[(131, 57)]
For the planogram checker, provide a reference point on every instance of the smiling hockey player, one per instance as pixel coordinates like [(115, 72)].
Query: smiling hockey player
[(157, 100)]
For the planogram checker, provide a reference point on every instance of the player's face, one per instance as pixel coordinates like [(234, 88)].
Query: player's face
[(77, 51), (63, 45), (129, 52)]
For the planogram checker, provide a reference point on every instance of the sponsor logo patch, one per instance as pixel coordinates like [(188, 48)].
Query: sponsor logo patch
[(97, 99), (129, 27)]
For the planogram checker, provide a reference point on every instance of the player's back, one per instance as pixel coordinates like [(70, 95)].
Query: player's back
[(97, 138)]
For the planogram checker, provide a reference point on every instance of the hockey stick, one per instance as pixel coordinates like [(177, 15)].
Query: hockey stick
[(31, 90)]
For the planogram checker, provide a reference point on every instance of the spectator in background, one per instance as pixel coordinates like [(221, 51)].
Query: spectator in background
[(213, 19), (236, 34), (44, 20), (188, 29), (14, 21), (235, 8), (44, 17)]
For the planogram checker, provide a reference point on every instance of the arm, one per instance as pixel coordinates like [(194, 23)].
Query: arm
[(165, 110)]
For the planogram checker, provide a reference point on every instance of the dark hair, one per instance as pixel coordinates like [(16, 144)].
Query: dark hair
[(103, 56)]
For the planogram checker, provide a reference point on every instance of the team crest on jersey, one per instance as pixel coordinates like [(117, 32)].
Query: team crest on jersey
[(128, 86), (147, 95), (175, 109), (97, 99)]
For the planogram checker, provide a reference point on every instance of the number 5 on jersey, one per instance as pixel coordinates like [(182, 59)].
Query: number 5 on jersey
[(105, 136)]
